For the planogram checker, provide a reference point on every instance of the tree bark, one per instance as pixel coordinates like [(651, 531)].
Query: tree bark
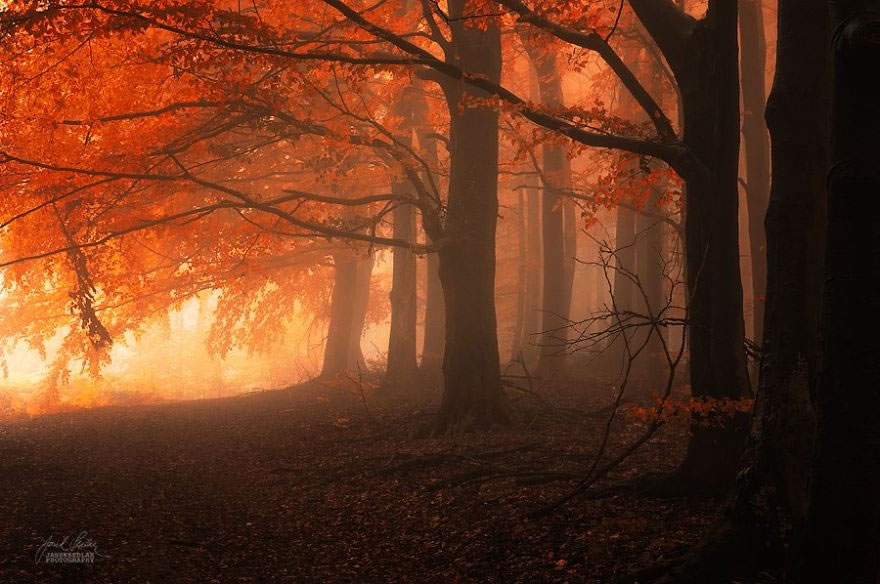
[(556, 169), (435, 321), (472, 393), (435, 325), (360, 304), (402, 360), (842, 542), (521, 278), (532, 319), (770, 497), (570, 227), (704, 58), (769, 502), (757, 148), (649, 266), (625, 259), (337, 350)]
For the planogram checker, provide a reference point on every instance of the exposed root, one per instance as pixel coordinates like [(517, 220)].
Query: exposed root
[(657, 486)]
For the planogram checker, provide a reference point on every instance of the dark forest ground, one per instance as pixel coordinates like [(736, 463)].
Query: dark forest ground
[(305, 485)]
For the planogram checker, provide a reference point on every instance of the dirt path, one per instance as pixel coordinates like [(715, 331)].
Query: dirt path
[(288, 486)]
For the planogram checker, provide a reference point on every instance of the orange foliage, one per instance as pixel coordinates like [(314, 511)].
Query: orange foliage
[(161, 150)]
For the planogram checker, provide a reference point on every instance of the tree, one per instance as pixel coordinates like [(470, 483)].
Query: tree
[(703, 57), (843, 522), (557, 244), (757, 147), (348, 311), (767, 508), (472, 392), (460, 230), (402, 361)]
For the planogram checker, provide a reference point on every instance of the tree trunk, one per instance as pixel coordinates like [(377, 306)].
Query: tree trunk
[(843, 524), (337, 350), (402, 354), (360, 303), (435, 321), (649, 268), (435, 325), (532, 320), (472, 393), (625, 261), (521, 278), (709, 83), (648, 260), (770, 498), (402, 360), (556, 171), (570, 226), (757, 148)]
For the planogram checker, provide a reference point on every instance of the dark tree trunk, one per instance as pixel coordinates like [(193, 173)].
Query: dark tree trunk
[(704, 57), (402, 361), (710, 94), (843, 524), (770, 498), (778, 449), (472, 391), (757, 147)]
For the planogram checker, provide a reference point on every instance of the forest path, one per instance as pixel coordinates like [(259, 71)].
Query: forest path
[(302, 485)]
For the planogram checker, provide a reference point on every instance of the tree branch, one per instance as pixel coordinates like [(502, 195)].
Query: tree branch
[(669, 26)]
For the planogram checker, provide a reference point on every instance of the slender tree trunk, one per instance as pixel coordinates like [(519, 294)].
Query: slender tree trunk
[(647, 255), (337, 357), (435, 320), (556, 171), (626, 296), (534, 253), (360, 303), (843, 524), (402, 360), (649, 268), (521, 278), (472, 393), (532, 320), (757, 147), (402, 353), (625, 260), (570, 226)]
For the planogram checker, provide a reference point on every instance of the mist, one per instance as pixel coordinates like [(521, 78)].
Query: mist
[(468, 290)]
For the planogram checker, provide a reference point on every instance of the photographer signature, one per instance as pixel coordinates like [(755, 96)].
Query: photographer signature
[(81, 543)]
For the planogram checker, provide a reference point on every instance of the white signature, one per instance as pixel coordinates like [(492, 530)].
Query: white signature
[(79, 544)]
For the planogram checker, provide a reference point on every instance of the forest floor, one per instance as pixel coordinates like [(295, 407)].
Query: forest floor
[(309, 485)]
